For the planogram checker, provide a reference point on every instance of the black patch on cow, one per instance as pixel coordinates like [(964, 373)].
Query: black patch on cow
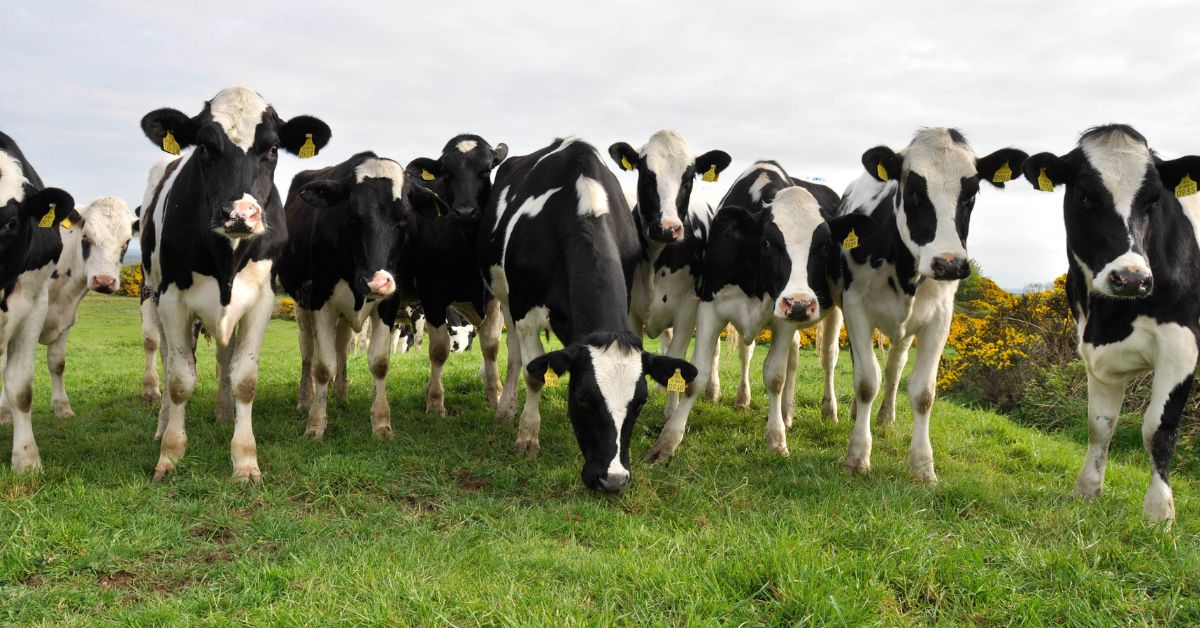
[(1162, 444), (920, 215)]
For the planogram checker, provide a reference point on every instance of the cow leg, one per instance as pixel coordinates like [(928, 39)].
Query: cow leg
[(529, 330), (225, 410), (490, 328), (922, 387), (341, 383), (378, 356), (681, 337), (1173, 377), (243, 451), (708, 336), (18, 384), (1104, 407), (506, 407), (789, 381), (439, 350), (305, 324), (831, 327), (774, 374), (179, 370), (896, 359), (712, 392), (866, 385), (151, 341), (5, 409), (745, 355), (164, 403), (325, 355), (56, 360)]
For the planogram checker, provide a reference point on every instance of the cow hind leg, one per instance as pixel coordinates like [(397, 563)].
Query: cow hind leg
[(18, 384), (745, 355), (827, 338), (151, 343), (378, 356), (341, 382), (304, 321), (324, 370), (708, 332), (789, 381), (225, 403), (897, 357), (56, 360), (681, 337), (528, 331), (506, 405), (489, 345), (439, 351)]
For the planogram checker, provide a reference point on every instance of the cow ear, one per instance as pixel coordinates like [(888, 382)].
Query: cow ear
[(624, 155), (840, 227), (1045, 170), (304, 136), (137, 226), (1180, 175), (559, 361), (425, 169), (499, 154), (425, 202), (882, 163), (740, 220), (1001, 166), (661, 368), (324, 192), (710, 164), (169, 129), (47, 207)]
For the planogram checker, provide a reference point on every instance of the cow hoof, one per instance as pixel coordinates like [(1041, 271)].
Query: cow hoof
[(788, 419), (1158, 507), (528, 447), (742, 407), (923, 472), (62, 409), (162, 469), (247, 472), (152, 396), (713, 396), (383, 431), (829, 411), (663, 449), (886, 416), (857, 465), (303, 406), (438, 410), (315, 432), (5, 415), (28, 461), (777, 443)]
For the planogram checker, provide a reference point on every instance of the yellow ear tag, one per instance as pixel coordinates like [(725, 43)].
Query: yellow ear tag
[(47, 221), (851, 241), (66, 223), (676, 384), (625, 165), (551, 378), (1044, 182), (1186, 187), (1003, 173), (169, 144), (711, 175), (881, 171), (308, 149), (427, 175)]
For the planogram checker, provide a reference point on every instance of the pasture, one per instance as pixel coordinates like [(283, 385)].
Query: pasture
[(445, 525)]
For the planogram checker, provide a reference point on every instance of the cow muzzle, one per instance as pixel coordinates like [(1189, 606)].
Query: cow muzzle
[(612, 482), (245, 218), (381, 284), (105, 284), (949, 266), (1130, 283), (464, 213), (800, 307), (668, 231)]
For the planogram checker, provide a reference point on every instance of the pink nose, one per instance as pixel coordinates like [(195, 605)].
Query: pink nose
[(798, 307), (247, 212), (672, 229), (382, 283), (104, 283)]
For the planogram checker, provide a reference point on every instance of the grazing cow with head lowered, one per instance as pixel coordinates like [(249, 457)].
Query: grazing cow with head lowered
[(559, 248), (211, 233), (29, 247), (901, 279), (1132, 247), (94, 240), (769, 262), (346, 229)]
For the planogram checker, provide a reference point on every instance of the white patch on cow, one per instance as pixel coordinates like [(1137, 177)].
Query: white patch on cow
[(864, 194), (460, 337), (501, 207), (756, 188), (593, 200), (1130, 261), (529, 209), (466, 146), (12, 179), (566, 141), (943, 163), (238, 110), (158, 215), (668, 156), (797, 214), (617, 370), (1122, 162), (382, 169), (1191, 209)]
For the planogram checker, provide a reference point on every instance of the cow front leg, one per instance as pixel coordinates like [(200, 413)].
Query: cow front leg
[(922, 388), (179, 369), (708, 335), (341, 382), (866, 385), (18, 385), (56, 361), (1104, 407), (827, 338), (151, 347), (529, 331), (439, 351), (379, 357), (304, 321), (324, 369), (774, 378), (896, 359)]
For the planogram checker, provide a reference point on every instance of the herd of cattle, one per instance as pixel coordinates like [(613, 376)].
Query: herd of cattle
[(547, 241)]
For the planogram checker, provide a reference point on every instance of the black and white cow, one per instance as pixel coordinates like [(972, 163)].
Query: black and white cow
[(672, 228), (1132, 223), (901, 279), (29, 247), (94, 241), (770, 261), (559, 246), (346, 228), (210, 235), (440, 267)]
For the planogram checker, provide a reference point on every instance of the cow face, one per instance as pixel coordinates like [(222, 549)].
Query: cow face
[(461, 337), (462, 176), (605, 396), (237, 138), (21, 211), (105, 229), (377, 202), (666, 169), (1113, 189), (939, 177)]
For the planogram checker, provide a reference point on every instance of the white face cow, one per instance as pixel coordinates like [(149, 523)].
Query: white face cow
[(97, 242)]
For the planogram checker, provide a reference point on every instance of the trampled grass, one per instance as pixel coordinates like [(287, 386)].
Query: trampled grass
[(444, 524)]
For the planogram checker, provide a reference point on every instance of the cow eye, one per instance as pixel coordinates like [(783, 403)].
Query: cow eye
[(11, 225)]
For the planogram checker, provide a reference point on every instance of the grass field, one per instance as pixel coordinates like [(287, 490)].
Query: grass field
[(444, 525)]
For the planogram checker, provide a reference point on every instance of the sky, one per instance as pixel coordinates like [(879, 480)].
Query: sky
[(811, 85)]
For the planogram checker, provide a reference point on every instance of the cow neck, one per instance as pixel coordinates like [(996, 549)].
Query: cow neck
[(885, 246)]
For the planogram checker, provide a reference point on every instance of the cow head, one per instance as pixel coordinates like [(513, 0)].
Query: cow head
[(605, 396), (23, 209), (376, 201), (939, 176), (237, 137), (461, 337), (104, 227), (462, 175), (1114, 186), (666, 169)]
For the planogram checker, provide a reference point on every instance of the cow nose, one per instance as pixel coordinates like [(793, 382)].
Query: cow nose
[(245, 216), (671, 230), (466, 212), (1130, 283), (381, 284), (798, 307), (106, 284), (614, 482), (950, 266)]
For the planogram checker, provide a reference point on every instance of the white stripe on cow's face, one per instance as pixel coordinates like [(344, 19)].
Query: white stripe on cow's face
[(668, 156), (382, 169), (943, 163), (797, 215), (238, 110), (466, 146), (1122, 162), (12, 179), (593, 200), (617, 371)]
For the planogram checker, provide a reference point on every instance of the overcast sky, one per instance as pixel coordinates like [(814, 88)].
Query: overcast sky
[(811, 85)]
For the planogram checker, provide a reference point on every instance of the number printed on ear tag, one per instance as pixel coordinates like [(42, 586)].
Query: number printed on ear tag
[(851, 241), (676, 384), (1186, 187), (1044, 182), (1003, 173), (309, 149), (551, 378), (711, 175)]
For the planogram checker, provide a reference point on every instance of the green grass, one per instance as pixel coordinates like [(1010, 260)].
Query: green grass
[(444, 524)]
